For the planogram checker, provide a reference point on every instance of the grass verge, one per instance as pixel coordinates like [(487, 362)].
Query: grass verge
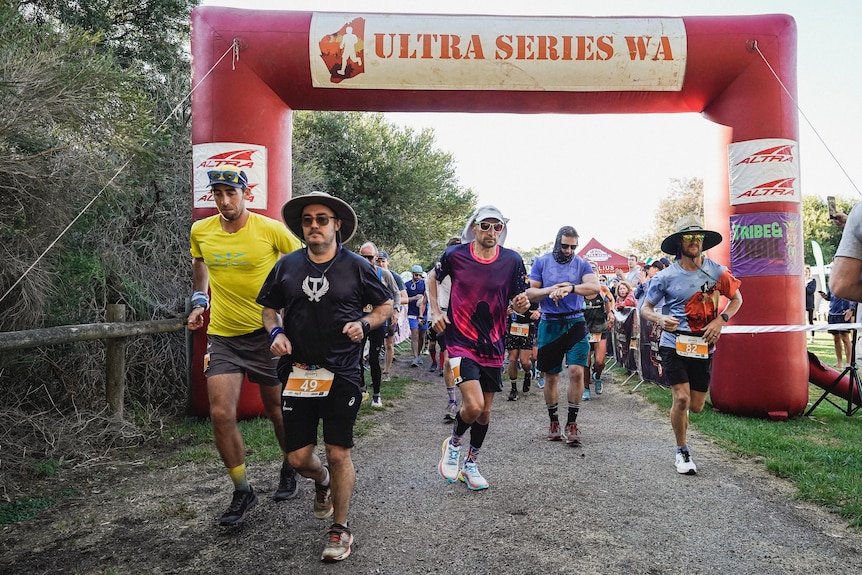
[(820, 454)]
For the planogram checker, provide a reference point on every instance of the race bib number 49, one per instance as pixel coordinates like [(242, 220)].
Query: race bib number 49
[(309, 381)]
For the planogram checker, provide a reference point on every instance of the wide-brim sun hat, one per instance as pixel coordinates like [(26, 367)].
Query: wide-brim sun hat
[(689, 224), (484, 213), (291, 213)]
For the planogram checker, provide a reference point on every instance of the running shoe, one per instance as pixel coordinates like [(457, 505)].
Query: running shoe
[(338, 541), (322, 501), (540, 382), (448, 467), (451, 411), (513, 395), (471, 477), (586, 395), (385, 376), (433, 367), (376, 402), (554, 432), (288, 486), (572, 432), (242, 503), (599, 386), (684, 464)]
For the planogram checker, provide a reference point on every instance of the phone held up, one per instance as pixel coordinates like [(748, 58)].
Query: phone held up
[(830, 205)]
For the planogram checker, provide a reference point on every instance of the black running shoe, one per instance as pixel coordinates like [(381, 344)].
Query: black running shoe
[(288, 486), (242, 503)]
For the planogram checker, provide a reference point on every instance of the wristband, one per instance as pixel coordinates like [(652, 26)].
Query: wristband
[(200, 299), (274, 333)]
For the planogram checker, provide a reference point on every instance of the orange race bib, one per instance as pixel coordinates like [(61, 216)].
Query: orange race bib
[(519, 329), (692, 346), (455, 366), (308, 381), (595, 337)]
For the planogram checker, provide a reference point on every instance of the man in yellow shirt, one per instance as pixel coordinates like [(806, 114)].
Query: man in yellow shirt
[(233, 252)]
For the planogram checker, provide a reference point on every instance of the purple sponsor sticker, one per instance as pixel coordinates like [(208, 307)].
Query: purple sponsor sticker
[(766, 244)]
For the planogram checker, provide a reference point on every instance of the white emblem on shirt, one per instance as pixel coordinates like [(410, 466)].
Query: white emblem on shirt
[(315, 288)]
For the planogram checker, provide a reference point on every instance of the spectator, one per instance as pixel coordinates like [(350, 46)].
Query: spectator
[(810, 289)]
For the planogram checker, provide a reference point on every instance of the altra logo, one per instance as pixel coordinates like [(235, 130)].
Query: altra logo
[(776, 154), (238, 158), (777, 188), (343, 52)]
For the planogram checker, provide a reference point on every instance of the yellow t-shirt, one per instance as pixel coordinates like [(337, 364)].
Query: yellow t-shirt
[(237, 265)]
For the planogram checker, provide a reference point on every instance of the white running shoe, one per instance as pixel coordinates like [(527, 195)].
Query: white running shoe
[(472, 478), (684, 464), (451, 411), (376, 402), (449, 467)]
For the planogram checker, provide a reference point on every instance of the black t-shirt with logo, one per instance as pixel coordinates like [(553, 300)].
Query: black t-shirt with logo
[(318, 299)]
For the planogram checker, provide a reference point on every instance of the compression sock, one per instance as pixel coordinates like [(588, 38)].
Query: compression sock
[(552, 412), (478, 431), (574, 408), (239, 478), (459, 429)]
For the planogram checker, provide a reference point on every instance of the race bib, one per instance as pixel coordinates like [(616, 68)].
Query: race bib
[(692, 346), (519, 329), (308, 381), (455, 366), (595, 337)]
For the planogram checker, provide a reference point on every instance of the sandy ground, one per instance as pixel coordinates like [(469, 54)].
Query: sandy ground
[(616, 505)]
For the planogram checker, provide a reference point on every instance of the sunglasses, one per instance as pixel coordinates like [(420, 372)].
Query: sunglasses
[(369, 257), (485, 226), (321, 219), (568, 246), (692, 237), (224, 176)]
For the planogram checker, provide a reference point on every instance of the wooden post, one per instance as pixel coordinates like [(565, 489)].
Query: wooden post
[(115, 363)]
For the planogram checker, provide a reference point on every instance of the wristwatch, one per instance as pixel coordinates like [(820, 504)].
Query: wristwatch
[(725, 317), (366, 327)]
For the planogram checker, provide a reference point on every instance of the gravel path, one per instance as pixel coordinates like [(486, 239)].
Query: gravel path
[(616, 505)]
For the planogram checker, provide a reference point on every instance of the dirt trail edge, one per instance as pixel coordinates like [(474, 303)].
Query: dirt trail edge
[(616, 505)]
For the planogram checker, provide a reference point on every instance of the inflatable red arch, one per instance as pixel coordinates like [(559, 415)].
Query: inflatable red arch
[(717, 66)]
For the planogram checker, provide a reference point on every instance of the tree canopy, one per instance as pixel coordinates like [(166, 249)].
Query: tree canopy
[(404, 190)]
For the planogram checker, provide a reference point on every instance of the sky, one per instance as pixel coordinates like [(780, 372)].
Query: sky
[(604, 174)]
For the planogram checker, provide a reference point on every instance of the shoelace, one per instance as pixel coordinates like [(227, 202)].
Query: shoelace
[(237, 503), (452, 455)]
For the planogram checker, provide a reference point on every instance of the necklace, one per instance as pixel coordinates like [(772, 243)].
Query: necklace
[(331, 262)]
